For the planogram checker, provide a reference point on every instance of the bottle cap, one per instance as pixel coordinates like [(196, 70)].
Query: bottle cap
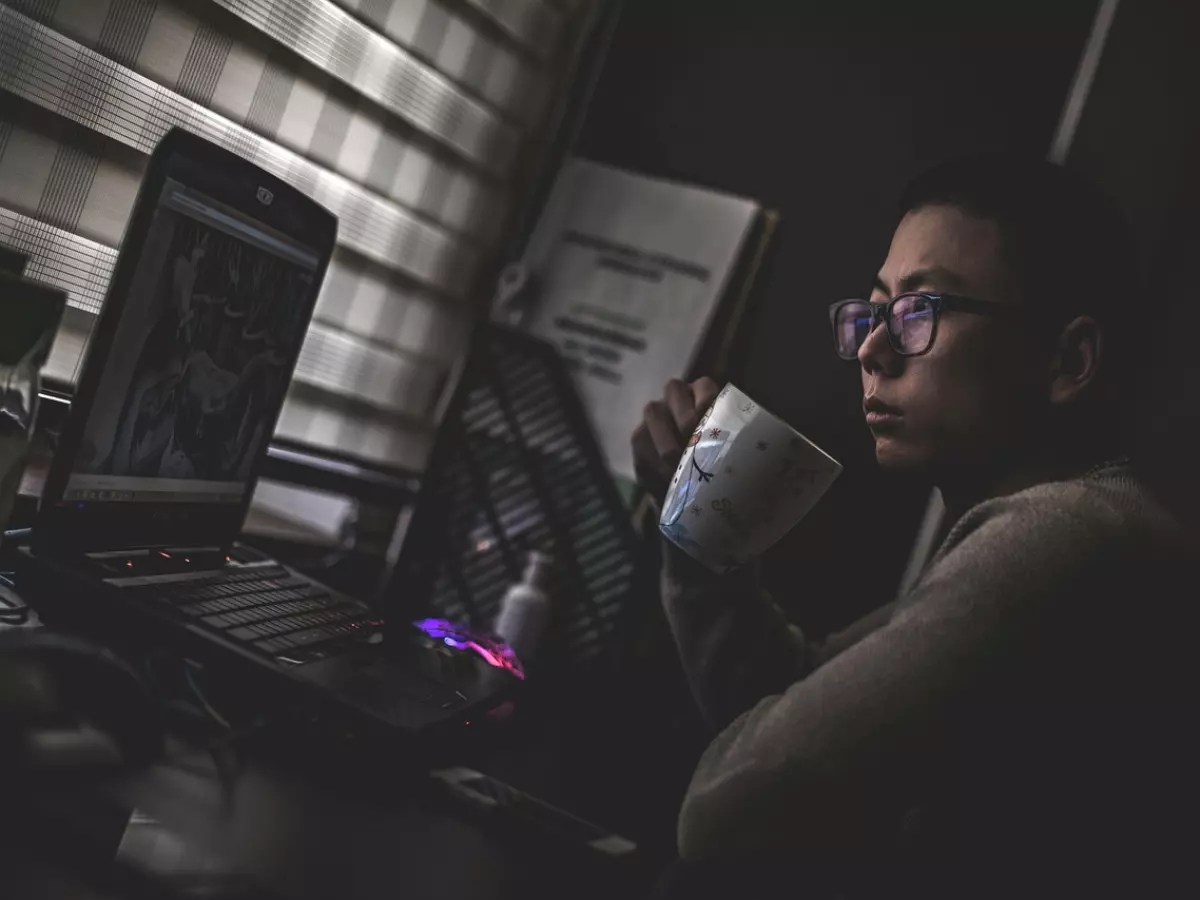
[(537, 569)]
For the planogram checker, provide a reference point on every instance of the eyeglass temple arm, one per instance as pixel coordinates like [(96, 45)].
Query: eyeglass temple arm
[(992, 308)]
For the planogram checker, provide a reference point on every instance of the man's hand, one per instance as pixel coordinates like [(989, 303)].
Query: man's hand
[(666, 424)]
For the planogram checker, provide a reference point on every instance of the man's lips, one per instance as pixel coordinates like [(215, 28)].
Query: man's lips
[(879, 413)]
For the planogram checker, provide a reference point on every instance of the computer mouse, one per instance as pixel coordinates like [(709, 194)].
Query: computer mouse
[(494, 652), (66, 703)]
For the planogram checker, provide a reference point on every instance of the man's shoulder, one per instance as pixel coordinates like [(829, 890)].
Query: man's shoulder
[(1090, 552), (1084, 518), (1115, 505)]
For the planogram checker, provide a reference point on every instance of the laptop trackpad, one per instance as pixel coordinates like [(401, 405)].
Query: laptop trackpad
[(367, 679)]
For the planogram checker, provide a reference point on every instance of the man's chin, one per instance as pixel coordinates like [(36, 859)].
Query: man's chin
[(895, 455)]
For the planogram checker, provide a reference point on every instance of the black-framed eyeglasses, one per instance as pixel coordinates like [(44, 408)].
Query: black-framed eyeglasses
[(911, 320)]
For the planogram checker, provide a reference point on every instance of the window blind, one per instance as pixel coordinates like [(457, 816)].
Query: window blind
[(413, 120)]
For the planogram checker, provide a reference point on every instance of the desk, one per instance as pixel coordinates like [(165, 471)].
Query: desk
[(310, 830), (605, 751), (308, 838), (311, 823)]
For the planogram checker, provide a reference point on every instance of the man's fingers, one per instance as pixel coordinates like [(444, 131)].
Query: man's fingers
[(705, 391), (642, 443), (681, 403), (663, 431), (644, 450), (658, 442), (646, 464)]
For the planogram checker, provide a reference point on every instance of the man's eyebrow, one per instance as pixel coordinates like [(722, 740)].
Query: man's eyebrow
[(932, 277)]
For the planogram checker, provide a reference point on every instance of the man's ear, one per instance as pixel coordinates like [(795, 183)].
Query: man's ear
[(1077, 359)]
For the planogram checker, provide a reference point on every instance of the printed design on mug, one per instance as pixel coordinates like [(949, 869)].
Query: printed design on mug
[(706, 452), (699, 463), (799, 478), (724, 509)]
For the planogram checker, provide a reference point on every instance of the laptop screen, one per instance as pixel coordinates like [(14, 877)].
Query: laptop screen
[(217, 309)]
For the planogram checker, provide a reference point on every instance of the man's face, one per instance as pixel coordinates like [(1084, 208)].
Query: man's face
[(975, 393)]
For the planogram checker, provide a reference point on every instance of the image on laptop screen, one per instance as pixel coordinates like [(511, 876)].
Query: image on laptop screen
[(200, 358)]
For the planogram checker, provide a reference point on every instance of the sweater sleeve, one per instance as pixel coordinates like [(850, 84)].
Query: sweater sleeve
[(826, 740), (735, 644)]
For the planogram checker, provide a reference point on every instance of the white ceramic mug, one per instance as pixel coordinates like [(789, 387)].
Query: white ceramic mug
[(745, 479)]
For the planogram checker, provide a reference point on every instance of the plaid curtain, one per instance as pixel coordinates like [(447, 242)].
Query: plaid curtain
[(412, 120)]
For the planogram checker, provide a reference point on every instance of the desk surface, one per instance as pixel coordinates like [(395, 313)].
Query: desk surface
[(300, 833), (310, 834), (308, 822)]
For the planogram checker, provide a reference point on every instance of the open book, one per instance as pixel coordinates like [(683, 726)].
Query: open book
[(626, 276)]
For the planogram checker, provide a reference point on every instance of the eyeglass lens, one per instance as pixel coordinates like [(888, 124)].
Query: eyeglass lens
[(910, 325)]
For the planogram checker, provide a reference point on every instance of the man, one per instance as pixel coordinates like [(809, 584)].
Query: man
[(1000, 729)]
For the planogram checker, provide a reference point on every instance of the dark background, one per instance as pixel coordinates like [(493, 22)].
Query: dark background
[(1138, 138), (824, 110)]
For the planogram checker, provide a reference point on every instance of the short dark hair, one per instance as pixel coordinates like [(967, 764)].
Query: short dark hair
[(1067, 245)]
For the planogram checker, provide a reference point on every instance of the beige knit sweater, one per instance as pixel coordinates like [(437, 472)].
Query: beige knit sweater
[(995, 715)]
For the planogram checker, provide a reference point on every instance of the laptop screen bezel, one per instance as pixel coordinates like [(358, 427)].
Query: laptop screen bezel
[(238, 184)]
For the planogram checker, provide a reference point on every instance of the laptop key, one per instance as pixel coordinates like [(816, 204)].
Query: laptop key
[(276, 610), (212, 606), (237, 617)]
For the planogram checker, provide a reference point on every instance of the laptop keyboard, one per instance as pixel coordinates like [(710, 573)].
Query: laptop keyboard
[(268, 608)]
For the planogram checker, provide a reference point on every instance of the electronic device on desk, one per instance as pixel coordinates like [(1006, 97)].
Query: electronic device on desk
[(183, 382), (515, 807)]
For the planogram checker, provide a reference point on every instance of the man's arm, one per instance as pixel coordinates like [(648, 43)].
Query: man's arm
[(736, 646), (802, 763)]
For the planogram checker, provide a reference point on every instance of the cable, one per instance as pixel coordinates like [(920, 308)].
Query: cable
[(200, 698), (14, 615), (12, 610)]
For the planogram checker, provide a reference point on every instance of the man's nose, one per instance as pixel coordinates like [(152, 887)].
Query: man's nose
[(876, 353)]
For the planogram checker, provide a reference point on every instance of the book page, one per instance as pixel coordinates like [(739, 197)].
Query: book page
[(627, 273)]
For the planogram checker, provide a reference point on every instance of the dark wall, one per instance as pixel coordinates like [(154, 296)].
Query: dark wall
[(824, 110), (1139, 137)]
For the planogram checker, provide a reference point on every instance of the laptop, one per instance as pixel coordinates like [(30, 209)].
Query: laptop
[(183, 383)]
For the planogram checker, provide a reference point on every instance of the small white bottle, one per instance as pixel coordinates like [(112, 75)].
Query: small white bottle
[(526, 607)]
